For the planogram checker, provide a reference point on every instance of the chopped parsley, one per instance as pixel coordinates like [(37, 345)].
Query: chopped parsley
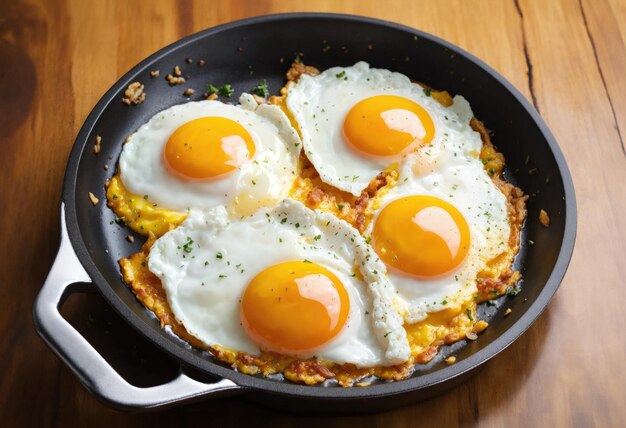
[(469, 314), (218, 256), (225, 90), (341, 75), (145, 196), (187, 247), (514, 291), (283, 221), (339, 207), (427, 92), (317, 237), (261, 89)]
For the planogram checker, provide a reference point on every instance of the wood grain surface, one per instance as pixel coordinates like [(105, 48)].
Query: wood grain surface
[(567, 56)]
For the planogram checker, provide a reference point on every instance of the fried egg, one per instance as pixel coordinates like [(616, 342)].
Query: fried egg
[(443, 223), (358, 121), (287, 280), (206, 154)]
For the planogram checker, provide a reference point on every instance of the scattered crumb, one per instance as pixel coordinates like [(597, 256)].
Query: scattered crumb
[(211, 96), (471, 335), (507, 312), (370, 47), (134, 94), (127, 139), (106, 167), (201, 63), (544, 218), (96, 146), (188, 92), (363, 383), (189, 60), (93, 199), (174, 80), (450, 360), (130, 238), (154, 73), (480, 326)]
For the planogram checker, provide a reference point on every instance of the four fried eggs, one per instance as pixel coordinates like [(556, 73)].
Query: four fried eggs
[(252, 270)]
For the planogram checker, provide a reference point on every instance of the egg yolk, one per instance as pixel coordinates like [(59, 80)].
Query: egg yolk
[(294, 307), (387, 125), (422, 236), (207, 148)]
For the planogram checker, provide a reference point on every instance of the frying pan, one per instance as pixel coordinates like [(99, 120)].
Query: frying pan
[(242, 53)]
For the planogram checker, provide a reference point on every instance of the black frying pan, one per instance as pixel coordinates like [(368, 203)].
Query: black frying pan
[(242, 53)]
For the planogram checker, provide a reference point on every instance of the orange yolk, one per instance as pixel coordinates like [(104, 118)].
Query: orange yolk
[(207, 148), (421, 236), (387, 125), (294, 307)]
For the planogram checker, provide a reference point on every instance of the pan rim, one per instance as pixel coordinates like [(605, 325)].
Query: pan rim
[(259, 384)]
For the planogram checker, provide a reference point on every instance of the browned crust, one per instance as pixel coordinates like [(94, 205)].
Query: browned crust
[(297, 69), (494, 162), (350, 208)]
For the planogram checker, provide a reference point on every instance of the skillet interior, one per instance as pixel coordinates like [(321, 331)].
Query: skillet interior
[(245, 52)]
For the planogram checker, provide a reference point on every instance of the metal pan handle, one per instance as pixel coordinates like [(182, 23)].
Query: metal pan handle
[(93, 371)]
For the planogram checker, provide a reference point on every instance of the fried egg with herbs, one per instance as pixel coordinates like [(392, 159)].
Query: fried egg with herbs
[(357, 121), (202, 155), (287, 280)]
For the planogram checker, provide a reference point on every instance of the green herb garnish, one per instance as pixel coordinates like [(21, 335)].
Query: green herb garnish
[(261, 89)]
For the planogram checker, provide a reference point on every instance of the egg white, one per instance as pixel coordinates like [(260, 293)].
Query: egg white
[(262, 181), (451, 170), (204, 284), (319, 105)]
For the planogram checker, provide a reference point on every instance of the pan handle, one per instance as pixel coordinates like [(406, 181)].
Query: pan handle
[(93, 371)]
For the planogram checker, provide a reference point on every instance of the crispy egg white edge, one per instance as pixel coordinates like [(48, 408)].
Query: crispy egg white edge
[(385, 322), (277, 144)]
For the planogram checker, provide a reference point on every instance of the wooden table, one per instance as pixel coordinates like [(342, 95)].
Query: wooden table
[(569, 57)]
